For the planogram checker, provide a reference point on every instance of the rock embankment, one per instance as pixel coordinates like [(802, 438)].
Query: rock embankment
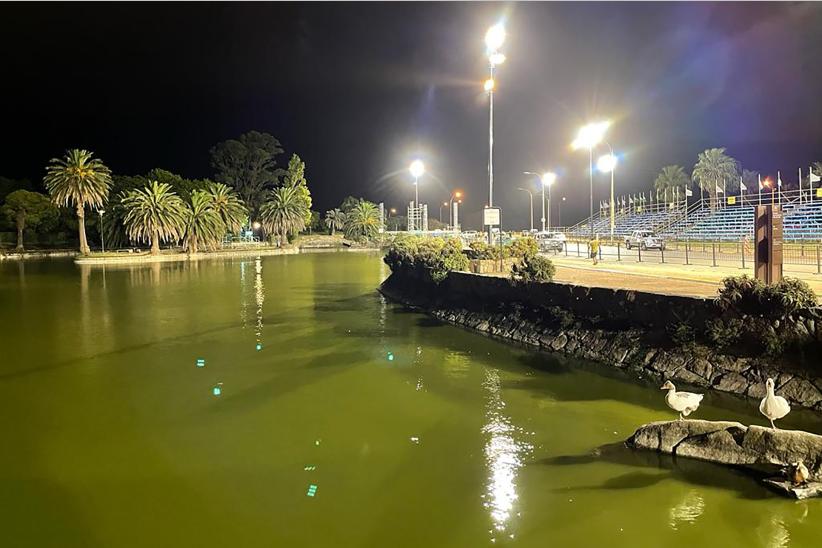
[(632, 346), (766, 452)]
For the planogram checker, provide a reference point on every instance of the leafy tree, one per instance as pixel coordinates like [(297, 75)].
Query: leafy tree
[(228, 206), (349, 203), (672, 176), (284, 213), (181, 186), (335, 220), (249, 165), (203, 224), (751, 180), (78, 180), (295, 177), (30, 209), (363, 221), (316, 224), (712, 166), (153, 214)]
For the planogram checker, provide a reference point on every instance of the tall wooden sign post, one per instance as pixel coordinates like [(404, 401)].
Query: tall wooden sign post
[(768, 243)]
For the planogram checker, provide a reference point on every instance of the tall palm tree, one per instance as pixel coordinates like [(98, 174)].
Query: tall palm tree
[(78, 180), (335, 220), (363, 221), (671, 177), (712, 167), (228, 206), (203, 223), (154, 213), (284, 213)]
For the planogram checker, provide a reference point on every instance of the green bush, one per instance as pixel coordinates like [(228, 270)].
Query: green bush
[(523, 247), (519, 248), (427, 258), (681, 333), (724, 332), (533, 268), (743, 296)]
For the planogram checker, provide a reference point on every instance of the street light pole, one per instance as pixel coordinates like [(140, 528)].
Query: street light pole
[(591, 177), (588, 137), (531, 198), (494, 38), (102, 234), (457, 195), (559, 208)]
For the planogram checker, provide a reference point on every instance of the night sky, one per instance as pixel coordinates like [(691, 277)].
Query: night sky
[(359, 90)]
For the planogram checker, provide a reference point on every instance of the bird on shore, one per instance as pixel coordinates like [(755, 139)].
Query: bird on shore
[(772, 406), (799, 474), (684, 403)]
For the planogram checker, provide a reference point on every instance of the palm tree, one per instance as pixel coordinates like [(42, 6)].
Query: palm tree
[(154, 213), (363, 221), (712, 167), (671, 177), (335, 220), (284, 213), (78, 180), (228, 206), (203, 223)]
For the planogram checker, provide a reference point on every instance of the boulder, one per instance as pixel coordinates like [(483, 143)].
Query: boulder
[(761, 450)]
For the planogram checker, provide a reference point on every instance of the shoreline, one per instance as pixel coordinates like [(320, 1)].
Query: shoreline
[(146, 258)]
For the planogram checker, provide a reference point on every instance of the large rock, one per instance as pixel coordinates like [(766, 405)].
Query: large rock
[(761, 450)]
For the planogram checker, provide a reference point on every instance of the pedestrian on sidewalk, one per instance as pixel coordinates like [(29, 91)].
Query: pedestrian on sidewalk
[(594, 247)]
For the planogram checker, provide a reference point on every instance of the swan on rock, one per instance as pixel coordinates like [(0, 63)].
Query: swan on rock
[(684, 403), (772, 406)]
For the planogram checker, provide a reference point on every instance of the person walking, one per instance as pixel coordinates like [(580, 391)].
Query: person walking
[(594, 247)]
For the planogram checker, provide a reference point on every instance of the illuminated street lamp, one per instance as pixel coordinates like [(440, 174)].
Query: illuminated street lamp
[(588, 137), (102, 235), (494, 38), (607, 164), (457, 194), (417, 168), (559, 211)]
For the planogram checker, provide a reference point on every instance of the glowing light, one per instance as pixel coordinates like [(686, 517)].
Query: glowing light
[(589, 136), (489, 85), (548, 178), (417, 168), (393, 210), (256, 225), (458, 194), (259, 346), (200, 362), (495, 37), (391, 356), (496, 59), (607, 163), (312, 490), (217, 390)]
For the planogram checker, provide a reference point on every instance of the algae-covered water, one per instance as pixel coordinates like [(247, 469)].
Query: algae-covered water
[(323, 415)]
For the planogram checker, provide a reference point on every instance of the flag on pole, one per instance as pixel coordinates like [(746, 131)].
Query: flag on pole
[(742, 187), (719, 190), (814, 178), (688, 192), (778, 180), (630, 200)]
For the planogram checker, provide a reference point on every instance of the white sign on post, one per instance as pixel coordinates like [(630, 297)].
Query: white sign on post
[(490, 216)]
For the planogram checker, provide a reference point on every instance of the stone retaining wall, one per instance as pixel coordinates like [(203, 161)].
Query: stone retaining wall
[(629, 333)]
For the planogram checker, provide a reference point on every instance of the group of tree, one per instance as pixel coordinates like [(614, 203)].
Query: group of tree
[(358, 218), (162, 207)]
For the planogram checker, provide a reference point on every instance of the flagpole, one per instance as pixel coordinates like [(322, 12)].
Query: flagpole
[(724, 193), (779, 186), (759, 187), (800, 185)]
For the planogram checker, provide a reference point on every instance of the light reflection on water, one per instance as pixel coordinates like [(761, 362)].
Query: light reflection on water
[(259, 298), (504, 456), (688, 510)]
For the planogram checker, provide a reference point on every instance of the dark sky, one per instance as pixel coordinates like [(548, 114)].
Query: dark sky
[(359, 90)]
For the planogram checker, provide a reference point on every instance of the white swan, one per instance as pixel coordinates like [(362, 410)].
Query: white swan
[(772, 406), (684, 403)]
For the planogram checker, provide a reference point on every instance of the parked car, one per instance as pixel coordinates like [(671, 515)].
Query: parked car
[(644, 239), (550, 241)]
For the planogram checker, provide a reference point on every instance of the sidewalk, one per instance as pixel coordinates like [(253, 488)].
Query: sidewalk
[(672, 279)]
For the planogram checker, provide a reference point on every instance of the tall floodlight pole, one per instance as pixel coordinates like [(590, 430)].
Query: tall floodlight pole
[(548, 178), (457, 195), (588, 137), (102, 234), (494, 38), (417, 168), (531, 211), (607, 164)]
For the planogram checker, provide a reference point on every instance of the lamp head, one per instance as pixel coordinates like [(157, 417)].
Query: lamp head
[(489, 85), (607, 163), (496, 59), (590, 135), (548, 178), (417, 168), (494, 37)]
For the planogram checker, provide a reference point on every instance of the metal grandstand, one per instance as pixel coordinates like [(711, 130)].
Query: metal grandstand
[(726, 218)]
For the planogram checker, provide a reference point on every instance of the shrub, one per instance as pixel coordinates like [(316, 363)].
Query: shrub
[(724, 332), (523, 247), (681, 333), (743, 296), (533, 268), (427, 258), (561, 317), (481, 250)]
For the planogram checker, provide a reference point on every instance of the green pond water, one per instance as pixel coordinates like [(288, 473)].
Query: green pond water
[(114, 437)]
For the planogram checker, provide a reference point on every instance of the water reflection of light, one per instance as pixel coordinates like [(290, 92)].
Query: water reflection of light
[(259, 298), (243, 303), (504, 456), (687, 511), (457, 364)]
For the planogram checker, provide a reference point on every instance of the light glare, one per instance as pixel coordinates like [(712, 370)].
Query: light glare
[(494, 37), (417, 168), (590, 135), (607, 163), (549, 178), (489, 85), (496, 59)]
